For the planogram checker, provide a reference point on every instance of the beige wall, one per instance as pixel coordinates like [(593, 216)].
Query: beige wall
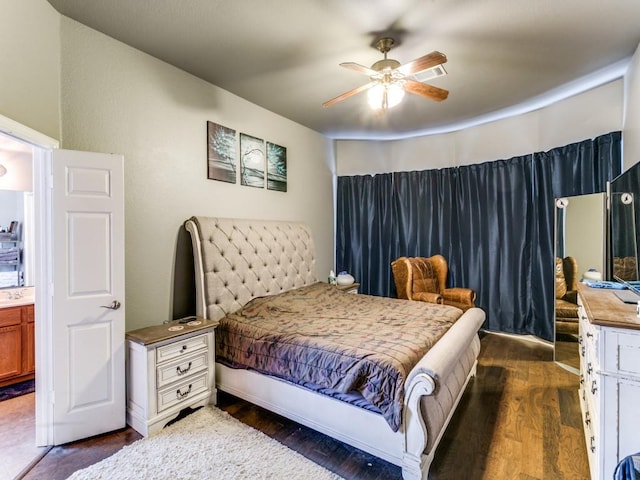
[(577, 118), (30, 64), (117, 99)]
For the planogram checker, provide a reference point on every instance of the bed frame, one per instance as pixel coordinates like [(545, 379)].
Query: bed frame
[(236, 260)]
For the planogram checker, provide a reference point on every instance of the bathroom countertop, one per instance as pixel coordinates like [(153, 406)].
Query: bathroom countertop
[(25, 296), (16, 302)]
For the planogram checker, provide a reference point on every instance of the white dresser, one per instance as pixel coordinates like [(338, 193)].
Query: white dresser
[(609, 379), (169, 367)]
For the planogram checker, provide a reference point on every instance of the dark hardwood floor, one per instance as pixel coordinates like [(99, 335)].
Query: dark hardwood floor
[(519, 419)]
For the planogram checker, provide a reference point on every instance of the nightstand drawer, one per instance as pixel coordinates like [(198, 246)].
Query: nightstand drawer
[(180, 348), (182, 391), (183, 367)]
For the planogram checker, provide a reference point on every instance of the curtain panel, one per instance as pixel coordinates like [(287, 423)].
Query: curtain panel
[(494, 222)]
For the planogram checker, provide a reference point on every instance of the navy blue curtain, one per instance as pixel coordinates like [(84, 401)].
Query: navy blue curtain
[(494, 223), (366, 218)]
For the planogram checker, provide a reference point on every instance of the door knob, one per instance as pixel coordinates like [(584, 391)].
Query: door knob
[(115, 305)]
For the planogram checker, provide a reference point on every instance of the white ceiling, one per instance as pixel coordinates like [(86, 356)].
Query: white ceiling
[(284, 54)]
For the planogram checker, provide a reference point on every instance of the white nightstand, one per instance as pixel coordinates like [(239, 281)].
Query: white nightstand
[(169, 367), (352, 288)]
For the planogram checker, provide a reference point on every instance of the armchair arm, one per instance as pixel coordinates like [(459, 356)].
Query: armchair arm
[(571, 296), (460, 296), (428, 297)]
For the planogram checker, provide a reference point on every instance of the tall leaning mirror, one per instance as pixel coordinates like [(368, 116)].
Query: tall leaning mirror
[(580, 235)]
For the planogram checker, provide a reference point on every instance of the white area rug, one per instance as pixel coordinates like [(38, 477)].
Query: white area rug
[(208, 444)]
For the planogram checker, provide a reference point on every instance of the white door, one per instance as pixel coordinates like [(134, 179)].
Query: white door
[(88, 294)]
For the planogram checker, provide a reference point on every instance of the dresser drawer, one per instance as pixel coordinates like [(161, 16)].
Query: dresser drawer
[(181, 348), (622, 353), (183, 391), (182, 368)]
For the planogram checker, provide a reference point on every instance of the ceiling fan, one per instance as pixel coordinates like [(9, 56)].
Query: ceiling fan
[(390, 79)]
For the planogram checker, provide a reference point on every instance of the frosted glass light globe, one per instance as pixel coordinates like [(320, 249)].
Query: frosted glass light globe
[(393, 92)]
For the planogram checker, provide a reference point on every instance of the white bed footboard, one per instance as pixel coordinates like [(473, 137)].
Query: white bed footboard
[(434, 389), (236, 260)]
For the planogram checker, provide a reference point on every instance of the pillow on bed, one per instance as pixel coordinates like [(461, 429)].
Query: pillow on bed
[(561, 284)]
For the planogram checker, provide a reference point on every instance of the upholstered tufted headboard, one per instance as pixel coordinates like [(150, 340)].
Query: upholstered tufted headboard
[(236, 260)]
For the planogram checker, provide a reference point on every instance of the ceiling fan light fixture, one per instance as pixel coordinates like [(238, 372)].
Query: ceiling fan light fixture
[(384, 96), (389, 79)]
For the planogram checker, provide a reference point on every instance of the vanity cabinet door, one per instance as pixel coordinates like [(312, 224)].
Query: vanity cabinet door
[(10, 342)]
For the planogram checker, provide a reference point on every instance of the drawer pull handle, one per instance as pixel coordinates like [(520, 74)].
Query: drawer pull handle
[(582, 351), (181, 395), (594, 387), (587, 420), (589, 368), (593, 444), (180, 371), (589, 335), (581, 379), (184, 347)]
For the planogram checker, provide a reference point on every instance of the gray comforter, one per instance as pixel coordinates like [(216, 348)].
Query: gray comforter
[(335, 340)]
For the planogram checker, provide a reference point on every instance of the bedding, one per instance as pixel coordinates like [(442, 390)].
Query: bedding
[(335, 340)]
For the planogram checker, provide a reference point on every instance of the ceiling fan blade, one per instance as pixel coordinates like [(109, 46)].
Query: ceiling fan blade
[(358, 68), (348, 94), (424, 90), (419, 64)]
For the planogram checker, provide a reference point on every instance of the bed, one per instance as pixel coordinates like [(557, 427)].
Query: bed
[(241, 266)]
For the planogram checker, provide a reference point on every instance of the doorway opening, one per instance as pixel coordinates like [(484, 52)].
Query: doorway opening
[(18, 450), (23, 328)]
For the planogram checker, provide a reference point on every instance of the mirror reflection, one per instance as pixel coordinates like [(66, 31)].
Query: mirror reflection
[(625, 216), (623, 238), (580, 250)]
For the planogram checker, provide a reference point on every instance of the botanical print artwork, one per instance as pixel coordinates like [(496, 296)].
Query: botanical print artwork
[(276, 167), (221, 153), (252, 161)]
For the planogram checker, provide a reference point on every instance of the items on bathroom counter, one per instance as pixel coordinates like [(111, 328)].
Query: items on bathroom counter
[(15, 297)]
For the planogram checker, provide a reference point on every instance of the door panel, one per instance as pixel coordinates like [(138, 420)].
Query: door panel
[(89, 244), (88, 275)]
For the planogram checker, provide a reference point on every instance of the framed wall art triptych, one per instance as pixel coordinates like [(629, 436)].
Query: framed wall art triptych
[(257, 160)]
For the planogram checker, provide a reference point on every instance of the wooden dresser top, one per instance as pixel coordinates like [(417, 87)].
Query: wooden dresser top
[(166, 331), (604, 308)]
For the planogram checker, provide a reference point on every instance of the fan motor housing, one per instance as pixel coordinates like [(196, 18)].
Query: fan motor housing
[(387, 63)]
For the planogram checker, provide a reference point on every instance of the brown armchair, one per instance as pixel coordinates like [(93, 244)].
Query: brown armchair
[(425, 278), (566, 295)]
